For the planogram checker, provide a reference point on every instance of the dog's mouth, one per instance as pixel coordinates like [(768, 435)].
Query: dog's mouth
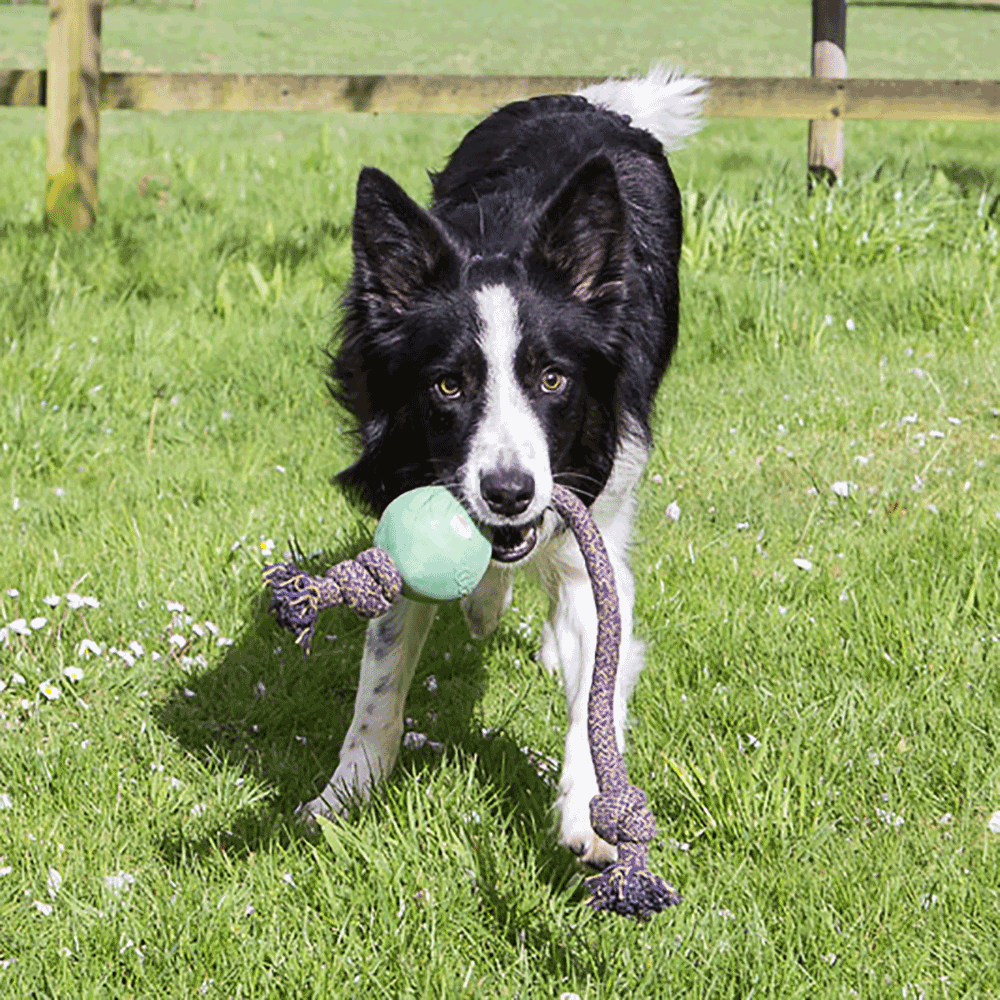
[(511, 543)]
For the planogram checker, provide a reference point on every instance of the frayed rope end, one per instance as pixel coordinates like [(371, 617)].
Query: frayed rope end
[(630, 892)]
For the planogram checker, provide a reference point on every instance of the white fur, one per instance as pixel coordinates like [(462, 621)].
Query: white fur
[(665, 103), (509, 435)]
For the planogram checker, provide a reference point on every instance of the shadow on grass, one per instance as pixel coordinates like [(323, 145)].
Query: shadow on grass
[(282, 718)]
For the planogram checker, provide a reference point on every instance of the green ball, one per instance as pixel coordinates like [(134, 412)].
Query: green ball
[(438, 550)]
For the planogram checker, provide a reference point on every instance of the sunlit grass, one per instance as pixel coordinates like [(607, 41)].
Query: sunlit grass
[(816, 727)]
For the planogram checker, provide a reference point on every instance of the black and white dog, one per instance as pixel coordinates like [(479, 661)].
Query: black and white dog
[(512, 337)]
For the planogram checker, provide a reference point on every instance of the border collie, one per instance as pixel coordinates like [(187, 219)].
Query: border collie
[(512, 337)]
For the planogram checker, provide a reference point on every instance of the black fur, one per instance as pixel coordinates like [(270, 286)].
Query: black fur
[(579, 215)]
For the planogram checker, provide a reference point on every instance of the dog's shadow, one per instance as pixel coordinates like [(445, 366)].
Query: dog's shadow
[(281, 717)]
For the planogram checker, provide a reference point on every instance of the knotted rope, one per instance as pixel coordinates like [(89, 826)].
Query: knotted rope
[(370, 583)]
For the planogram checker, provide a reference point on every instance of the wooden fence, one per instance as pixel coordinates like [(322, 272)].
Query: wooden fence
[(73, 90)]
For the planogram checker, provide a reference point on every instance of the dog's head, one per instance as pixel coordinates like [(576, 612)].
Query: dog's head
[(482, 351)]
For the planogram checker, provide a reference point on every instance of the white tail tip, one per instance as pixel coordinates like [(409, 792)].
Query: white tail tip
[(664, 103)]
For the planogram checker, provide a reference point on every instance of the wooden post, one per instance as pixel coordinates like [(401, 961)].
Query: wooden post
[(71, 117), (829, 59)]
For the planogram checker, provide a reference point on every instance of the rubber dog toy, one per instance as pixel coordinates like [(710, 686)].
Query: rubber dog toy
[(428, 548)]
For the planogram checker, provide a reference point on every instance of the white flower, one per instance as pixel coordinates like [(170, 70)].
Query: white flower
[(188, 693), (73, 673), (673, 511), (50, 692), (994, 824), (3, 686), (74, 600), (91, 602), (45, 909), (20, 626), (16, 678), (12, 592), (136, 647), (288, 878), (5, 801), (175, 606), (119, 882), (54, 883), (125, 655), (52, 600), (803, 564), (841, 487), (86, 647), (849, 324), (266, 546), (37, 623), (223, 641), (178, 640)]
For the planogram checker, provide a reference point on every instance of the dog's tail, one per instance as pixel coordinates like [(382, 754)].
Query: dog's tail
[(664, 103)]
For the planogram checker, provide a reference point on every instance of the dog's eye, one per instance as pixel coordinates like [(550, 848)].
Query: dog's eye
[(552, 380), (449, 387)]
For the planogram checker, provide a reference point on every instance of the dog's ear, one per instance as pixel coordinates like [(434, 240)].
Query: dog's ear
[(399, 249), (580, 237)]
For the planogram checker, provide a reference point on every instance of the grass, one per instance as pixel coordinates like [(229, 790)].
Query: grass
[(743, 38), (819, 744)]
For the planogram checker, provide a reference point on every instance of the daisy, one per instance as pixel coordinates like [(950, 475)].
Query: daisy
[(50, 691), (74, 674)]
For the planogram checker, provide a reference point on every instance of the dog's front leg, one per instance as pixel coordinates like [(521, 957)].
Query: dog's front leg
[(572, 637), (392, 648)]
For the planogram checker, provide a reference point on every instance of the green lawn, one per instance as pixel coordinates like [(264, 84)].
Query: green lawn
[(743, 37), (817, 725)]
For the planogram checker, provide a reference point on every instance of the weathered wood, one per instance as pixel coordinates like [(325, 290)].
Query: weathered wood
[(71, 114), (287, 92), (728, 96), (829, 61), (22, 88)]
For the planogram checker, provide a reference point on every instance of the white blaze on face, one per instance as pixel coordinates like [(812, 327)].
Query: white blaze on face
[(509, 435)]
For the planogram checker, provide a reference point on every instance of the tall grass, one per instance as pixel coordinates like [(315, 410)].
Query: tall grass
[(816, 726)]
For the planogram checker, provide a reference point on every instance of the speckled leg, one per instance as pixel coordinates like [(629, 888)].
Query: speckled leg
[(484, 607), (392, 649)]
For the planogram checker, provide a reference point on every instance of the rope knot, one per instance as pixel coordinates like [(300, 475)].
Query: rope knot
[(368, 584), (621, 816)]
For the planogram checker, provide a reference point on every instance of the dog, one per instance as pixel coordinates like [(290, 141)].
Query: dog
[(512, 337)]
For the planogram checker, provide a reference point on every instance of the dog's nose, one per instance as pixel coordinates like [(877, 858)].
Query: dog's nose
[(507, 491)]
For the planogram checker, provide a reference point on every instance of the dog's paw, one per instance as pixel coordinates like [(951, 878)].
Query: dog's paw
[(586, 845), (329, 805), (576, 833)]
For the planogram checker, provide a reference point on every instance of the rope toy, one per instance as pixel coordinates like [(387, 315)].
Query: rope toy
[(443, 559)]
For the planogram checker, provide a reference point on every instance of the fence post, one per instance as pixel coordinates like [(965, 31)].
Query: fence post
[(829, 59), (71, 117)]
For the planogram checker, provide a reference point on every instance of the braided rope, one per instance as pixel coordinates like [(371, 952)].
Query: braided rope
[(370, 584), (619, 813)]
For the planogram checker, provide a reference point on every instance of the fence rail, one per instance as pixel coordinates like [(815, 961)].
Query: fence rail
[(728, 97)]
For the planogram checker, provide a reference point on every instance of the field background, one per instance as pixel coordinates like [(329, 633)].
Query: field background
[(819, 738)]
